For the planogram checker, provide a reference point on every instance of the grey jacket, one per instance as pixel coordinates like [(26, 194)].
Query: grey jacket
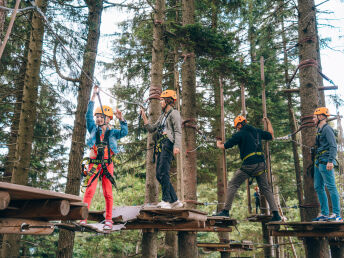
[(326, 143), (173, 127)]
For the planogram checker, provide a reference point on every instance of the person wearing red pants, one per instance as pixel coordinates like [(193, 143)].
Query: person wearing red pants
[(103, 145)]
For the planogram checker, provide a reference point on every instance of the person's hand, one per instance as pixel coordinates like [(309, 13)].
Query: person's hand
[(219, 144), (142, 111), (329, 166), (95, 91), (176, 151), (119, 114)]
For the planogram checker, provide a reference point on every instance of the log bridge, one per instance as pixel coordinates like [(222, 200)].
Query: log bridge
[(28, 210), (152, 218), (227, 247)]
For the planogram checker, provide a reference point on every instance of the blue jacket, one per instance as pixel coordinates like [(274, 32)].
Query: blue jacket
[(114, 135), (326, 144)]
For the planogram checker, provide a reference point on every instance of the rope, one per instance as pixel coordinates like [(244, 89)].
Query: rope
[(9, 29), (61, 42)]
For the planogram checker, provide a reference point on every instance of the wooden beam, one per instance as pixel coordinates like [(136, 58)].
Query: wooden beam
[(5, 199), (22, 192), (76, 213), (319, 88), (25, 227), (46, 209), (307, 234)]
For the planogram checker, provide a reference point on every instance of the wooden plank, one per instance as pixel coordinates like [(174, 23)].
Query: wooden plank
[(76, 213), (25, 227), (79, 204), (22, 192), (171, 211), (190, 215), (48, 209), (4, 199), (96, 215), (307, 234)]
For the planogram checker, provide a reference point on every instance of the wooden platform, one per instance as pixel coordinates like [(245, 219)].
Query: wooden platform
[(26, 210), (152, 218), (231, 246), (307, 229), (259, 218)]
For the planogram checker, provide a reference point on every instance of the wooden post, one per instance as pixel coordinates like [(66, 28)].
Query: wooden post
[(4, 200), (180, 172), (243, 112), (266, 238), (224, 175)]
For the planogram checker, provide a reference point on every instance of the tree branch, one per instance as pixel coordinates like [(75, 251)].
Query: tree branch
[(58, 69)]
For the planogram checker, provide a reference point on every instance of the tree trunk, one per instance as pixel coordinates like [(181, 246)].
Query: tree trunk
[(19, 88), (27, 118), (292, 121), (149, 239), (95, 8), (309, 102), (187, 240), (2, 19)]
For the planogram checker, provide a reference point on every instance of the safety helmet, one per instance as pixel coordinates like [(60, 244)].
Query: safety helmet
[(107, 111), (169, 94), (239, 119), (322, 111)]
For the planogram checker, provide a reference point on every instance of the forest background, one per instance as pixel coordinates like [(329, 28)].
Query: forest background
[(245, 30)]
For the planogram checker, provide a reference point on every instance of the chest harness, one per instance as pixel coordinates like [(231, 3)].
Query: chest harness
[(102, 143), (160, 137), (257, 144), (317, 144)]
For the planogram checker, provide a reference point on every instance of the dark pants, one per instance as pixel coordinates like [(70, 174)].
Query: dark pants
[(257, 205), (163, 165), (245, 172)]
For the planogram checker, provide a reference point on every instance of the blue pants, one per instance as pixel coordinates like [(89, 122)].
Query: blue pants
[(322, 178)]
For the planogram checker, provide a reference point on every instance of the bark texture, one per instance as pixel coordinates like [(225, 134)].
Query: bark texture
[(95, 8), (27, 118), (149, 239), (187, 240), (309, 101)]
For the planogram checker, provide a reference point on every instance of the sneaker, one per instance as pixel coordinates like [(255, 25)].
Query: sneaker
[(82, 222), (334, 217), (164, 205), (223, 213), (108, 225), (320, 217), (177, 204)]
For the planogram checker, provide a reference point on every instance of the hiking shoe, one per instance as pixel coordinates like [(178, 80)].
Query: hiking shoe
[(223, 213), (108, 225), (177, 204), (275, 217), (321, 217), (335, 218), (82, 222), (164, 205)]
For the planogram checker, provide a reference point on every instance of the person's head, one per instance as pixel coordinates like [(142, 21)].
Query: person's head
[(167, 98), (108, 112), (239, 122), (320, 114), (256, 188)]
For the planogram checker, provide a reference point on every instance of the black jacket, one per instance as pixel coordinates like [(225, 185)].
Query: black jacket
[(249, 140)]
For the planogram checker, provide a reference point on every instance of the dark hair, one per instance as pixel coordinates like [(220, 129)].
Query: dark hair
[(169, 101)]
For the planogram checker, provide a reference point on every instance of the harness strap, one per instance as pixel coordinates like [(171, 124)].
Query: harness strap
[(252, 154), (252, 177)]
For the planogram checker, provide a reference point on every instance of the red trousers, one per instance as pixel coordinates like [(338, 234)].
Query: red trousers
[(107, 189)]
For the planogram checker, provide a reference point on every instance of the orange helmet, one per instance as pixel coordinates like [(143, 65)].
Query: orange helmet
[(322, 111), (107, 111), (239, 119), (169, 94)]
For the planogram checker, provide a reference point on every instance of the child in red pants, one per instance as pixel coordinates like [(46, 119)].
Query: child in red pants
[(103, 145)]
